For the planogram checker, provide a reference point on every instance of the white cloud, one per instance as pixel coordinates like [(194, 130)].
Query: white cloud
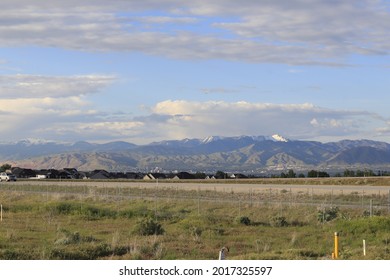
[(92, 129), (30, 103), (35, 86), (73, 118), (166, 20), (179, 119), (384, 130), (293, 32)]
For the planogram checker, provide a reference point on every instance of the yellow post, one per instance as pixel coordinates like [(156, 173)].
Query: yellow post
[(336, 245)]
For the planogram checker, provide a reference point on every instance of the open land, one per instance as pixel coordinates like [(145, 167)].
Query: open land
[(256, 219)]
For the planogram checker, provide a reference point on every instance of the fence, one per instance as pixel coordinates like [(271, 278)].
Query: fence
[(368, 198)]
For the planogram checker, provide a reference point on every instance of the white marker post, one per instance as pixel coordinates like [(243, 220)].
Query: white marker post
[(1, 212), (364, 247), (222, 253)]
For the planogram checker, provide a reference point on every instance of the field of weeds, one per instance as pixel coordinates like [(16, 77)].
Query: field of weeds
[(183, 224)]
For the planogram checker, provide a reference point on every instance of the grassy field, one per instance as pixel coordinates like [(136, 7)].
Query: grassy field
[(184, 224)]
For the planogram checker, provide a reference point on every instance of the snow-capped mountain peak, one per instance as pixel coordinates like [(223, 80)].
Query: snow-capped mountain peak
[(33, 141), (210, 139), (278, 138)]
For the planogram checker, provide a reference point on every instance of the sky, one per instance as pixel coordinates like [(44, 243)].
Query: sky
[(152, 70)]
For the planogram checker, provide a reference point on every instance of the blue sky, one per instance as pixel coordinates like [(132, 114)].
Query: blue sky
[(144, 71)]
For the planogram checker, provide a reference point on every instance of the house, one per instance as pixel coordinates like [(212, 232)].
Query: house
[(64, 174), (99, 175), (154, 176), (23, 172), (134, 175), (240, 176), (49, 173), (73, 173), (149, 176), (185, 175), (118, 175)]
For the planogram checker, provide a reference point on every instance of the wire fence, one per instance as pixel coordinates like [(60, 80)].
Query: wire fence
[(365, 198)]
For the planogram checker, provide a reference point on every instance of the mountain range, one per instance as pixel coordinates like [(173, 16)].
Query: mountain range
[(248, 154)]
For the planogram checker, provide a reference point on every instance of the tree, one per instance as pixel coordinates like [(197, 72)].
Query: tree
[(291, 174), (200, 175), (323, 174), (5, 167), (317, 174), (349, 173), (312, 174), (220, 175)]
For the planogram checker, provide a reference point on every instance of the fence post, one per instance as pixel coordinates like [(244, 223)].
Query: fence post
[(331, 198), (251, 196), (370, 207), (198, 200)]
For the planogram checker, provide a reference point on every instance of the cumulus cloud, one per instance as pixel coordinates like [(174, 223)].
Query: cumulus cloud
[(73, 119), (385, 129), (92, 129), (179, 119), (30, 103), (293, 32)]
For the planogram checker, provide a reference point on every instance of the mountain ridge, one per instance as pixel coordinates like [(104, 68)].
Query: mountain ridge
[(237, 154)]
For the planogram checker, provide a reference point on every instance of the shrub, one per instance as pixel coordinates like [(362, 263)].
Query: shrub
[(196, 232), (90, 252), (367, 225), (279, 221), (367, 213), (326, 215), (16, 254), (94, 213), (64, 208), (67, 238), (148, 226), (244, 220)]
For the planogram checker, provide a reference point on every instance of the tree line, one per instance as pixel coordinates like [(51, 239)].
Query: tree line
[(322, 174)]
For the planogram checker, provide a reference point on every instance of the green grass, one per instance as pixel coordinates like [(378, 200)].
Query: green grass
[(53, 226)]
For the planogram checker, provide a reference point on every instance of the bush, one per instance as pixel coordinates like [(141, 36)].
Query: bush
[(326, 215), (367, 225), (367, 213), (244, 220), (66, 238), (148, 226), (196, 232), (65, 208), (90, 252), (279, 221)]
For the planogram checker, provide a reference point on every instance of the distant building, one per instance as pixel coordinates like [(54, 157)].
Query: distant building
[(149, 177)]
